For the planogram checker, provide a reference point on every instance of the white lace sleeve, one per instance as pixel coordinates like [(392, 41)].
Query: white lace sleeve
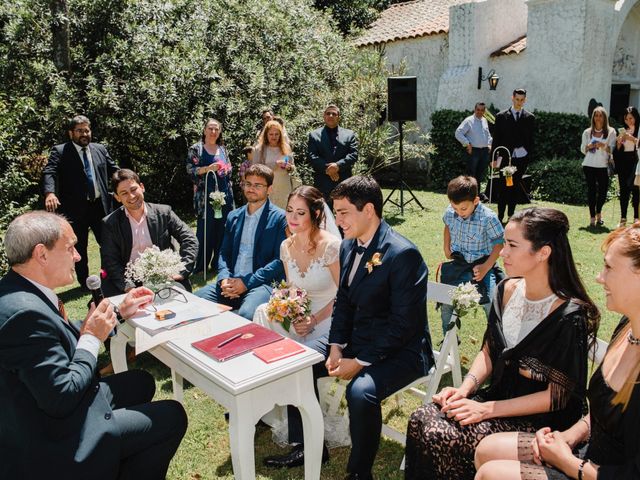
[(332, 252), (284, 251)]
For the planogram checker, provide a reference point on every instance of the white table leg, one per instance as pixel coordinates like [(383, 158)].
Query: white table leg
[(177, 380), (241, 438), (312, 426), (118, 351)]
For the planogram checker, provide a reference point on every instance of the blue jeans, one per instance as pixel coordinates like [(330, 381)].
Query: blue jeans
[(477, 163), (245, 306), (447, 310)]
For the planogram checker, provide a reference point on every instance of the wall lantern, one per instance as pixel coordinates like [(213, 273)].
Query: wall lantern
[(492, 77)]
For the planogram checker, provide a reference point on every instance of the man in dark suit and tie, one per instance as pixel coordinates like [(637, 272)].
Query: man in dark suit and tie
[(58, 419), (332, 151), (250, 254), (513, 130), (75, 183), (379, 333), (136, 226)]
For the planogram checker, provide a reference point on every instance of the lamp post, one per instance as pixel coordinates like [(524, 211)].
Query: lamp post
[(492, 77)]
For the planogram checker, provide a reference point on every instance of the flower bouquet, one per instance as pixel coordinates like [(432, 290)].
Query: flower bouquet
[(155, 268), (508, 172), (465, 298), (217, 200), (288, 304)]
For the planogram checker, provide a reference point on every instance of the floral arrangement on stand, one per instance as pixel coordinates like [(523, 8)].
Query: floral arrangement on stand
[(155, 268), (508, 172), (288, 305), (217, 200), (465, 298)]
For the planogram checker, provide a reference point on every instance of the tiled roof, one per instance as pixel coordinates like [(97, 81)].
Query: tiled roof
[(516, 46), (409, 20)]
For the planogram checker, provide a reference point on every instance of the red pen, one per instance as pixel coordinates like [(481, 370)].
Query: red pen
[(229, 340)]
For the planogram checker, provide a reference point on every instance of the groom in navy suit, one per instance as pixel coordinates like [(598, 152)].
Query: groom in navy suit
[(250, 254), (379, 333)]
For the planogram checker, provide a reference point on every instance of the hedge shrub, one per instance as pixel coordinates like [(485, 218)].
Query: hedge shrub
[(559, 179)]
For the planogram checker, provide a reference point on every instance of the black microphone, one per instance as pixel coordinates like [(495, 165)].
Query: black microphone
[(94, 284)]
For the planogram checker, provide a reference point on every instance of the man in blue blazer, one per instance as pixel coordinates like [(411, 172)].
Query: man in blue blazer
[(250, 254), (136, 226), (332, 152), (58, 419), (379, 338), (75, 183)]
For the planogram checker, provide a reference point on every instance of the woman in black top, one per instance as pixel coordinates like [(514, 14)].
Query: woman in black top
[(626, 158), (612, 426)]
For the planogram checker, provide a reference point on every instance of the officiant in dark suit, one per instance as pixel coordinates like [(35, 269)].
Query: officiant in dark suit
[(58, 418), (136, 226), (332, 152), (75, 184), (513, 129), (379, 335)]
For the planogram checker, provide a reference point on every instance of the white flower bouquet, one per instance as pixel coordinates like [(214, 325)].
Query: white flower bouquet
[(217, 200), (508, 172), (465, 298), (155, 268)]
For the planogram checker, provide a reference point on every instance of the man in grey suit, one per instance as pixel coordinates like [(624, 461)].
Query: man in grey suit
[(58, 418), (332, 152), (136, 226), (75, 184)]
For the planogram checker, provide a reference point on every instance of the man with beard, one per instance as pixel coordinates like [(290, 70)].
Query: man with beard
[(75, 185)]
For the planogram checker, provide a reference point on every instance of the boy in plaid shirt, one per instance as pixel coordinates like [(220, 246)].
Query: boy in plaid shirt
[(473, 238)]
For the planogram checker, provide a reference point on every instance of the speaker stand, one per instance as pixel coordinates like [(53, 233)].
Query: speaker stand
[(402, 184)]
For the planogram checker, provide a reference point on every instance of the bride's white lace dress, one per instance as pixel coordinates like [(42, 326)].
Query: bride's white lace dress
[(316, 280), (321, 289)]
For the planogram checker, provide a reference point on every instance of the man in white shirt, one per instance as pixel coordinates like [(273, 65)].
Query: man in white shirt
[(474, 136)]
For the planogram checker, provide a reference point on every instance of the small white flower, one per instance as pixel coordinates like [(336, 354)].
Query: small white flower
[(217, 199), (154, 267), (465, 297), (509, 170)]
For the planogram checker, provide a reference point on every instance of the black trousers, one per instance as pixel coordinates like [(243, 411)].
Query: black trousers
[(92, 219), (509, 195), (150, 432), (597, 186), (626, 168)]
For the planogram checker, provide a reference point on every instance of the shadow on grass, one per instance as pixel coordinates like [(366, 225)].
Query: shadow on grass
[(596, 229)]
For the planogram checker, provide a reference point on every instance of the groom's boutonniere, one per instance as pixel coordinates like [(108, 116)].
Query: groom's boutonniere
[(374, 262)]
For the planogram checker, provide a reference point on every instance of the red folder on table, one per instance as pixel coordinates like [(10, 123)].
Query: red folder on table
[(278, 350), (235, 342)]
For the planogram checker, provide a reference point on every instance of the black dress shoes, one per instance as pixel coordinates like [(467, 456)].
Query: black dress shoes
[(295, 458), (358, 476)]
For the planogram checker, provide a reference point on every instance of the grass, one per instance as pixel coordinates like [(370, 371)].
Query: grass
[(204, 452)]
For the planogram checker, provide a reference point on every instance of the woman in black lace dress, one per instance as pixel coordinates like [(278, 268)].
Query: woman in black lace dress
[(611, 428), (534, 355)]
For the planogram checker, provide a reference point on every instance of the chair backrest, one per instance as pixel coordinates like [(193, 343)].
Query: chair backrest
[(598, 351), (439, 292)]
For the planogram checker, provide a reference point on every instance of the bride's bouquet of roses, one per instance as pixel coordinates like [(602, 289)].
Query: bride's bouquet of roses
[(288, 304)]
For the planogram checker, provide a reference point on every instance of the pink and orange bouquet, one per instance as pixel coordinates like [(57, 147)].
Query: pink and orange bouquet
[(288, 304)]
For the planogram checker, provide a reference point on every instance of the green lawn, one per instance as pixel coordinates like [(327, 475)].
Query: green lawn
[(204, 453)]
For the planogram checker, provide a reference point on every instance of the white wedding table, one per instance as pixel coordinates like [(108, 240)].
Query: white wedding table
[(246, 386)]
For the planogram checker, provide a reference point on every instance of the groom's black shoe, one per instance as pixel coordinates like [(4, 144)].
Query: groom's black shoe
[(295, 458)]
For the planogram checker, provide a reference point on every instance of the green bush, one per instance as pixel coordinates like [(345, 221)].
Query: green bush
[(447, 160), (148, 74), (558, 179)]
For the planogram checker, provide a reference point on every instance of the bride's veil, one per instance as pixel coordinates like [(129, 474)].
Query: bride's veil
[(329, 223)]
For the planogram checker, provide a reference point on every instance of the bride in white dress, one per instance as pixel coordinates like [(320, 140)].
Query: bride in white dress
[(311, 261)]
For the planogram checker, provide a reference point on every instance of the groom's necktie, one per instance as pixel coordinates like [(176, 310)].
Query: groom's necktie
[(91, 189)]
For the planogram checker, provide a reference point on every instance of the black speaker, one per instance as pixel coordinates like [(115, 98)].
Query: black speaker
[(401, 99)]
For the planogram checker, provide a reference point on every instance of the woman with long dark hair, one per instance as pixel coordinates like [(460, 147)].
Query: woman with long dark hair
[(611, 428), (597, 143), (209, 168), (626, 160), (534, 354)]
